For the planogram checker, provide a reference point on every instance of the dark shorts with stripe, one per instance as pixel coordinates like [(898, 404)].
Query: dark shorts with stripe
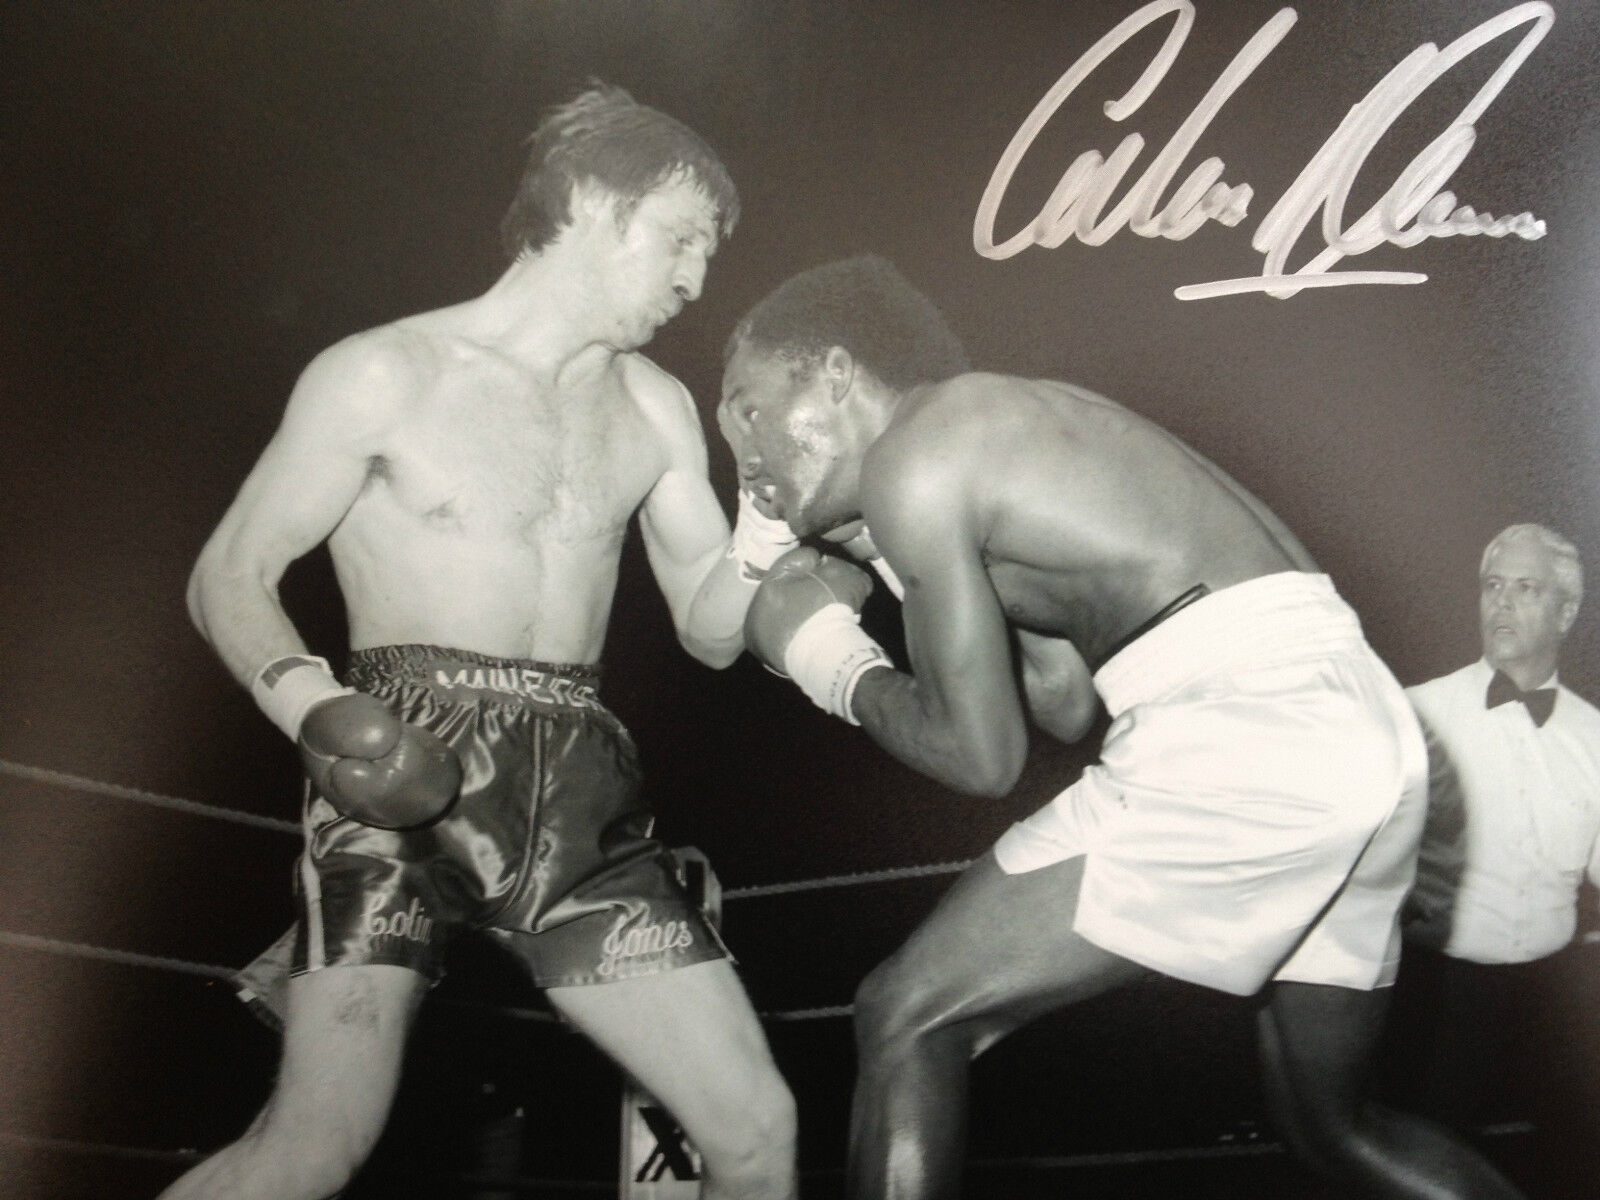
[(548, 850)]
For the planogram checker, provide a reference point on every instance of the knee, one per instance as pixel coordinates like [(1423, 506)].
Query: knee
[(755, 1139), (315, 1159), (1328, 1143), (893, 1011)]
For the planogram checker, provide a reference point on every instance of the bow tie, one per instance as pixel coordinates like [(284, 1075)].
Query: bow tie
[(1540, 702)]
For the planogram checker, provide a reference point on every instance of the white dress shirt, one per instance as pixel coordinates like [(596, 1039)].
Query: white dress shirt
[(1513, 820)]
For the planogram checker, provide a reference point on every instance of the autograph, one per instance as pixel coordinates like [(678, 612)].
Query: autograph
[(1416, 206)]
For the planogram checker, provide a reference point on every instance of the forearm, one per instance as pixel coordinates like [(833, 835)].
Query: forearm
[(712, 624), (239, 614), (893, 710)]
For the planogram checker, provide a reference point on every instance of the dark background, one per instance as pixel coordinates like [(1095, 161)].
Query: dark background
[(197, 197)]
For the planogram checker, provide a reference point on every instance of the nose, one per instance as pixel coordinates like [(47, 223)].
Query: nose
[(691, 276)]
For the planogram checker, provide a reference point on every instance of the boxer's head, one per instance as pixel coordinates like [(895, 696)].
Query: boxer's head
[(812, 375), (1531, 586), (604, 143)]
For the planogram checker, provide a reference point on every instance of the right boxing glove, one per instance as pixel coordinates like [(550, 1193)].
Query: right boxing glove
[(369, 764), (374, 767)]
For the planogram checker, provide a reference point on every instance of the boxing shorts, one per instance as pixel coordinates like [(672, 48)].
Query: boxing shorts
[(1259, 801), (548, 850)]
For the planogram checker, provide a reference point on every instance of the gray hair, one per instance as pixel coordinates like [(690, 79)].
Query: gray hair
[(1563, 556)]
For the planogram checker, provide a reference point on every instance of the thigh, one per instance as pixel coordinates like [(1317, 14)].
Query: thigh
[(343, 1041), (1000, 945), (1317, 1047), (689, 1036)]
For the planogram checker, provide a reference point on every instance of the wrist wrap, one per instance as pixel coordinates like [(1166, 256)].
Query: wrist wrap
[(828, 655), (286, 689), (758, 540)]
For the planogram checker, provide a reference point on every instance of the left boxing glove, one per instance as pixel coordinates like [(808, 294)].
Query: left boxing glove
[(369, 764)]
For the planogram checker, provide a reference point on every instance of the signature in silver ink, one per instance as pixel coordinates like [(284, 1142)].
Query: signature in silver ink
[(1417, 206)]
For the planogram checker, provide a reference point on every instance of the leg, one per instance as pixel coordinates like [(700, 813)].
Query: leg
[(690, 1037), (1316, 1046), (998, 952), (342, 1045)]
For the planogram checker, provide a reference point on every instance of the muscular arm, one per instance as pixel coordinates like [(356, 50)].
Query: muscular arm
[(956, 716), (294, 497), (1058, 686), (686, 535)]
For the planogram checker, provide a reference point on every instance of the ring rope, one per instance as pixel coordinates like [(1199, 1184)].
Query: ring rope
[(128, 958), (68, 1146), (28, 941), (1118, 1158), (78, 783), (850, 880)]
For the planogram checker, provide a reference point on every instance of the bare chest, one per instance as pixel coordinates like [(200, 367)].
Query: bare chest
[(491, 459)]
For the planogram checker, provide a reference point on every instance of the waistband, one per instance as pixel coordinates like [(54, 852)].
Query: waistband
[(1271, 619), (1183, 601), (465, 676)]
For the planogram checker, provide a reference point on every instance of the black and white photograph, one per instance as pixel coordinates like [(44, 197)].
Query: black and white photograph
[(733, 600)]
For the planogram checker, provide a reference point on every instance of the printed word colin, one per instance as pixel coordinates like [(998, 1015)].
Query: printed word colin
[(410, 924), (1416, 206)]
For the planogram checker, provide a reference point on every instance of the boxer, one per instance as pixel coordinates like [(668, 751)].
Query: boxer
[(473, 471), (1254, 820)]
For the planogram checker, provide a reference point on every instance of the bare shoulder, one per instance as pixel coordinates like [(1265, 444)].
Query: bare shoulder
[(663, 401), (938, 445), (369, 378), (658, 394), (947, 428)]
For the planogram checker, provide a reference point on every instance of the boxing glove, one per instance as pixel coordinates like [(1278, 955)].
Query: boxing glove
[(805, 622), (374, 767)]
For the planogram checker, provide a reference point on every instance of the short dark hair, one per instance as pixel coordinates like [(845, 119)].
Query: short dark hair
[(864, 305), (603, 136)]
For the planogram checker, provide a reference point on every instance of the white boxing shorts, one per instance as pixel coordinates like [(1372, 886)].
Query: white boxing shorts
[(1259, 801)]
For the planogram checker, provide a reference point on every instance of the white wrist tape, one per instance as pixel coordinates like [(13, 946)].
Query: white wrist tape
[(758, 540), (828, 655), (890, 579), (286, 689)]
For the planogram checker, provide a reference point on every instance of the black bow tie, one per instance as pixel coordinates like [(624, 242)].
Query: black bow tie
[(1540, 702)]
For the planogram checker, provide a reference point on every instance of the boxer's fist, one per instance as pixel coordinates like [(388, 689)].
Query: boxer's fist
[(374, 767), (799, 585)]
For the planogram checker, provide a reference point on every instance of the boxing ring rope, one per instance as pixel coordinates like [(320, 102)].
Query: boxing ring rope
[(78, 783), (86, 786)]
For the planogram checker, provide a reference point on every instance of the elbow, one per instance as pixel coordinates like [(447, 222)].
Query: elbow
[(195, 597), (990, 776), (1073, 727), (716, 654)]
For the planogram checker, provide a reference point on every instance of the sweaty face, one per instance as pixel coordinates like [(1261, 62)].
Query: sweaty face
[(785, 435), (656, 260), (1522, 609)]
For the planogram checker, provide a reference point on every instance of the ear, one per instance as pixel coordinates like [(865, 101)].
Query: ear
[(591, 204), (1569, 614), (839, 371)]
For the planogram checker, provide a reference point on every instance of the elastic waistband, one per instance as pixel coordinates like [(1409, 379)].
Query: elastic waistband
[(465, 675), (1271, 619), (1182, 602)]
